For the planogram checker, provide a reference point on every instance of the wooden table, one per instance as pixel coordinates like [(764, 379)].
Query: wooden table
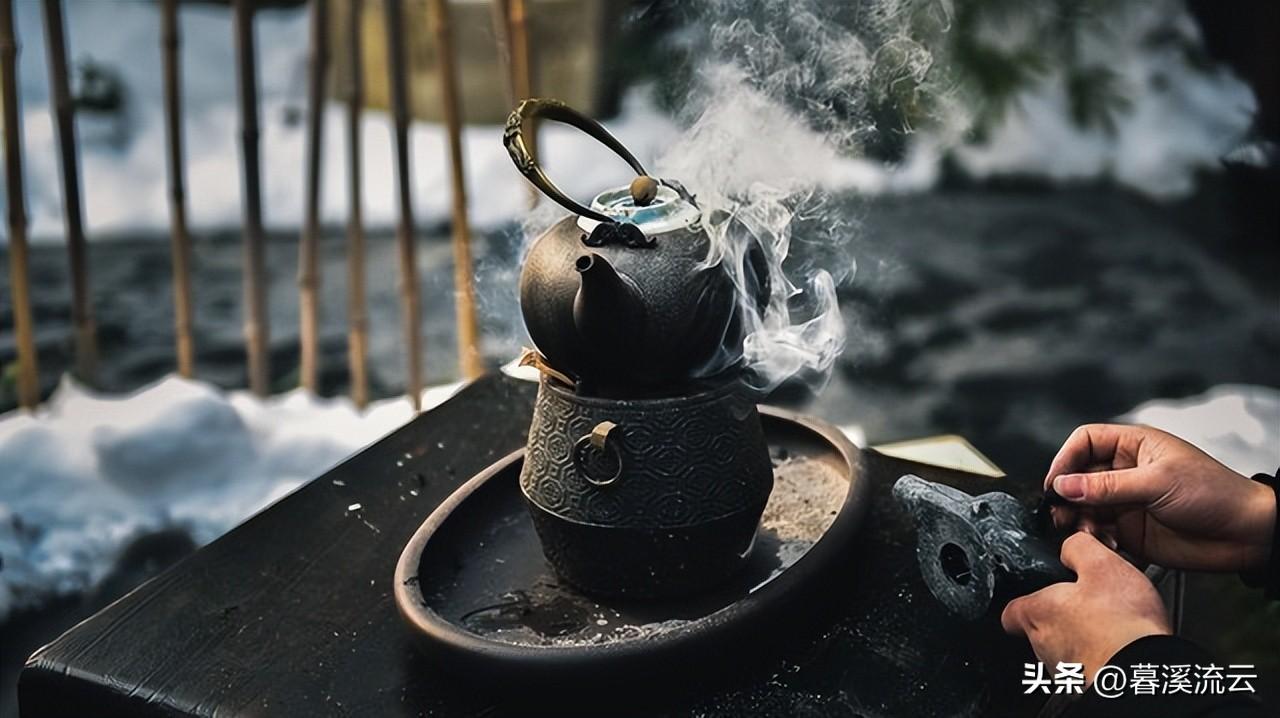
[(291, 613)]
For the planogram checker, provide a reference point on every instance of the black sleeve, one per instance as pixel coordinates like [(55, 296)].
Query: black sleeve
[(1268, 577), (1166, 651)]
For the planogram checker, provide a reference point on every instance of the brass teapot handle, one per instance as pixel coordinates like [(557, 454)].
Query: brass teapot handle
[(513, 139)]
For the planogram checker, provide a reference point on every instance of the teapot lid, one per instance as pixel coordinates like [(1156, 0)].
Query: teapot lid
[(668, 211)]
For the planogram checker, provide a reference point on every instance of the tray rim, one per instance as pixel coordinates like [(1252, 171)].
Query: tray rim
[(460, 647)]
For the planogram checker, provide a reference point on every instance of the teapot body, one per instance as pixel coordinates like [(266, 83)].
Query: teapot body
[(623, 320)]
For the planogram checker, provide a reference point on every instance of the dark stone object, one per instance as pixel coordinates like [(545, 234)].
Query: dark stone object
[(667, 505), (976, 550)]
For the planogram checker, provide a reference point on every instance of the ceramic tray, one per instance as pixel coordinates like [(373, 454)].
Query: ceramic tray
[(474, 588)]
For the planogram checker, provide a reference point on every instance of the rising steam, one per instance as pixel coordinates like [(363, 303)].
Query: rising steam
[(783, 92)]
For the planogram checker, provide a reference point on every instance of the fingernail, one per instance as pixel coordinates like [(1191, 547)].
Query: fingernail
[(1069, 486)]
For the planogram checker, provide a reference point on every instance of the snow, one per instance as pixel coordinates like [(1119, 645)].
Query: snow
[(1183, 120), (1237, 424), (87, 474)]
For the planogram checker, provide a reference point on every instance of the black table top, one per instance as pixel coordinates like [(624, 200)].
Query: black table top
[(291, 613)]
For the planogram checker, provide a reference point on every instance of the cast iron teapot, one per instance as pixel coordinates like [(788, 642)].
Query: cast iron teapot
[(618, 297)]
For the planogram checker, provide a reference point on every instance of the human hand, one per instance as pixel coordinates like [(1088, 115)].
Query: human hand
[(1161, 499), (1110, 605)]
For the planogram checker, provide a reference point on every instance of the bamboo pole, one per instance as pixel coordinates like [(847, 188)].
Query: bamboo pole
[(404, 231), (64, 122), (308, 247), (357, 313), (521, 68), (255, 325), (180, 242), (28, 373), (510, 27), (469, 360), (502, 40)]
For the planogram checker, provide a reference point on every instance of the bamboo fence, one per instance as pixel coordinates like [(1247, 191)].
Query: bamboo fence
[(510, 19)]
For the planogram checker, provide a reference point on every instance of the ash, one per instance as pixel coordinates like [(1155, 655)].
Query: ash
[(597, 635), (807, 495)]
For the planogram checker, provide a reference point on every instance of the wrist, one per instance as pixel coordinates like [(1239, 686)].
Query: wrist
[(1119, 637), (1260, 525)]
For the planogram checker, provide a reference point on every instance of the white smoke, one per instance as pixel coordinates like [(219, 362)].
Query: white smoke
[(750, 192), (795, 103), (782, 98)]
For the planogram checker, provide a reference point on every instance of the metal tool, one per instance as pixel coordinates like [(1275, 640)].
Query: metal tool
[(976, 550)]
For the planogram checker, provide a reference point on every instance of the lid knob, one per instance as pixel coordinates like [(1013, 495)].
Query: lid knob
[(643, 190)]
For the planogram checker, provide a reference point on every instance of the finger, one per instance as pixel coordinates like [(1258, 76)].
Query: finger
[(1099, 523), (1105, 533), (1094, 444), (1088, 524), (1131, 535), (1084, 554), (1064, 517), (1143, 485)]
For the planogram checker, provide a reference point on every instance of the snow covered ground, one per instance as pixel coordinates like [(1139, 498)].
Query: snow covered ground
[(1182, 120), (86, 474), (1238, 425)]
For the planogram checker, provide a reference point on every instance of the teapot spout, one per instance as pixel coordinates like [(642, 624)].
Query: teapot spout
[(606, 310)]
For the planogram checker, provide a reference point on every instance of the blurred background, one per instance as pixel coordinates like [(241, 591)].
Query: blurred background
[(1036, 215)]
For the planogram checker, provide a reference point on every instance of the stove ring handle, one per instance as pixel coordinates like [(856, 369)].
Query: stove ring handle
[(514, 140), (598, 440)]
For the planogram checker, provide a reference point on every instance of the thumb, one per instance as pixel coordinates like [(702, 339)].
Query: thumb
[(1103, 488), (1014, 616), (1083, 553)]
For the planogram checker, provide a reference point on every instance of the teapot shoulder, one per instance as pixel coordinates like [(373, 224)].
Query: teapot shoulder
[(556, 249)]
